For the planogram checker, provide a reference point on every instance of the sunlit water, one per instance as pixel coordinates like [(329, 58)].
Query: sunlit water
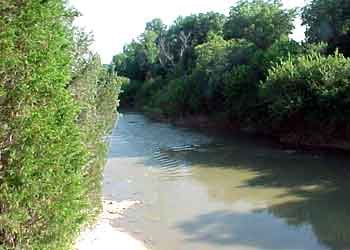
[(208, 191)]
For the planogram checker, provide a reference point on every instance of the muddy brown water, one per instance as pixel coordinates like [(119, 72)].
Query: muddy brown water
[(209, 191)]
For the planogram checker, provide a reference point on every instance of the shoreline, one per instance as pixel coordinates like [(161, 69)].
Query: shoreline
[(102, 235), (298, 141)]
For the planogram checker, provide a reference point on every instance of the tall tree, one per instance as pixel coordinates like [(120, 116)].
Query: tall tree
[(328, 21), (156, 25), (259, 21), (188, 32)]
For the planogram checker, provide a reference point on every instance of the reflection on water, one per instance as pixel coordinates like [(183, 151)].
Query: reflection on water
[(203, 191)]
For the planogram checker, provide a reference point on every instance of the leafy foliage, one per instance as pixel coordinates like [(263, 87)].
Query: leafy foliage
[(53, 115), (328, 21), (220, 62), (312, 89), (172, 98), (261, 22)]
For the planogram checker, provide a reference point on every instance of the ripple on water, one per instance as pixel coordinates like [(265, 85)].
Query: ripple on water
[(167, 165)]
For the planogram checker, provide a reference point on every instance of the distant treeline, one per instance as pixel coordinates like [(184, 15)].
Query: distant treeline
[(244, 68), (57, 103)]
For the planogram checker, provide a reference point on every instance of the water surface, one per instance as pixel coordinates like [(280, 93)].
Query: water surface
[(210, 191)]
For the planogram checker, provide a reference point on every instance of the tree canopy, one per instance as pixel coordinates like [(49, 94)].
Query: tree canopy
[(328, 21), (261, 22)]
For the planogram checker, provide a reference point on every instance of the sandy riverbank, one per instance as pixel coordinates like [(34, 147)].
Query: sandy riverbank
[(103, 236)]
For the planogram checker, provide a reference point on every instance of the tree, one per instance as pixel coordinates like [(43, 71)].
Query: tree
[(157, 26), (133, 61), (328, 21), (230, 72), (188, 32), (259, 21), (212, 61), (149, 44)]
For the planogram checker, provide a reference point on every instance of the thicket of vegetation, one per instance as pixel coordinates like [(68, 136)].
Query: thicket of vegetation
[(245, 68), (57, 103)]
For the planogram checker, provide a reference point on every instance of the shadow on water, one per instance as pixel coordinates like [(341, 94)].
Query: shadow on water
[(319, 186)]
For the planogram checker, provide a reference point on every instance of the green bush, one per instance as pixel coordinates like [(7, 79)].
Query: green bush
[(241, 92), (96, 91), (147, 90), (171, 99), (282, 50), (197, 94), (313, 89), (49, 107), (129, 91)]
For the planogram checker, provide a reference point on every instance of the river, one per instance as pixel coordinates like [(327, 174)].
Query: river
[(212, 191)]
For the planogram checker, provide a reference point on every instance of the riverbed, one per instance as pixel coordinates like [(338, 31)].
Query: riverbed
[(209, 190)]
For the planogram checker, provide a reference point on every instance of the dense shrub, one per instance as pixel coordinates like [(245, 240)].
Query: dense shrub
[(311, 89), (96, 91), (128, 92), (241, 93), (198, 93), (50, 150), (147, 90), (107, 98), (172, 99), (282, 50)]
